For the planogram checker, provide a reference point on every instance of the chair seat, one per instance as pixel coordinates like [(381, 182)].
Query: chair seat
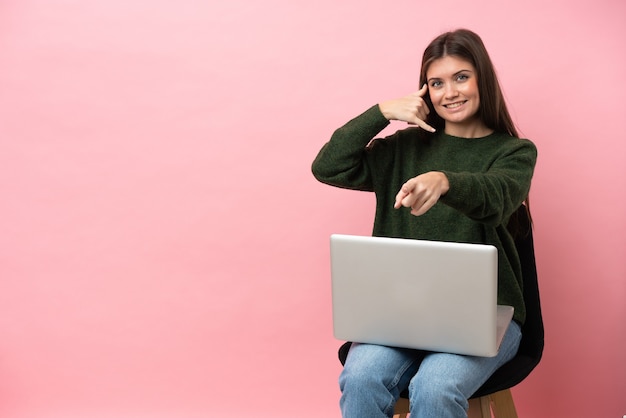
[(508, 375)]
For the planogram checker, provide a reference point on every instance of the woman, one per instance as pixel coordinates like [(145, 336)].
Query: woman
[(457, 175)]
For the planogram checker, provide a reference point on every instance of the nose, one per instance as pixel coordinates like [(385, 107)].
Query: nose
[(450, 91)]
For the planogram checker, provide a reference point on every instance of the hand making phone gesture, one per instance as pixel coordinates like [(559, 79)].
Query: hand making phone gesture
[(411, 109)]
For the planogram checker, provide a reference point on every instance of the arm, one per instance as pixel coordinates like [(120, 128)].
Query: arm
[(341, 162), (489, 197)]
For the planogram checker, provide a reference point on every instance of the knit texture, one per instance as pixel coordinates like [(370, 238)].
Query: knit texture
[(489, 179)]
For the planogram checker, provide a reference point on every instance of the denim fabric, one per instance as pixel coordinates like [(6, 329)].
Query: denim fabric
[(439, 383)]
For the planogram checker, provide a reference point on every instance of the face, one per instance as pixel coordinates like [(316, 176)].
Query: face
[(453, 88)]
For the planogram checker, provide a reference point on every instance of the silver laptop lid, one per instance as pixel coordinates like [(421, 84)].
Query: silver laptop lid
[(429, 295)]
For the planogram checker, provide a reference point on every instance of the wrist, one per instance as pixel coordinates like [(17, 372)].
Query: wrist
[(444, 183), (384, 109)]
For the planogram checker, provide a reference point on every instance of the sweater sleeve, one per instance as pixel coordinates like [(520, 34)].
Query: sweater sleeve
[(342, 161), (491, 197)]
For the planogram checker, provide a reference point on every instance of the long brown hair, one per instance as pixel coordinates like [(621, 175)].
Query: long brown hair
[(467, 45)]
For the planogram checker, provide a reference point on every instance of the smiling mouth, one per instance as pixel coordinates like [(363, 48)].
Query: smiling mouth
[(455, 105)]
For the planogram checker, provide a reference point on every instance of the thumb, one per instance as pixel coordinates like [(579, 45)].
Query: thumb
[(422, 92)]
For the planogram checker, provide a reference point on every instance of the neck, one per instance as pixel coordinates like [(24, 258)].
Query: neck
[(473, 129)]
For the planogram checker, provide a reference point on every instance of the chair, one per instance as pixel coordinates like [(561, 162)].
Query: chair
[(495, 394)]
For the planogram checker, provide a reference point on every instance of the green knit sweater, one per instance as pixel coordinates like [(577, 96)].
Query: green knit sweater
[(489, 179)]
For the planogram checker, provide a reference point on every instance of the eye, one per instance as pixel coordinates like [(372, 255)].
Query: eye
[(462, 77), (436, 84)]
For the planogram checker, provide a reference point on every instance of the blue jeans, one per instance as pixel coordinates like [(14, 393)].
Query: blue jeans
[(439, 384)]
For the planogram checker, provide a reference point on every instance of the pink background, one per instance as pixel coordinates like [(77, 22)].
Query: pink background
[(164, 247)]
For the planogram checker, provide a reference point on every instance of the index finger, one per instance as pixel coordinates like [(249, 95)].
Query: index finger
[(402, 193)]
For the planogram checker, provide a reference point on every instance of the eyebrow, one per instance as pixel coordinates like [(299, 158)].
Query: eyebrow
[(455, 74)]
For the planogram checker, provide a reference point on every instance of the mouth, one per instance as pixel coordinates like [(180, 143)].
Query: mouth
[(455, 104)]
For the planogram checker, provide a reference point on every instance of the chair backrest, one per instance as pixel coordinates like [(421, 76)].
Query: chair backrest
[(531, 346), (533, 342)]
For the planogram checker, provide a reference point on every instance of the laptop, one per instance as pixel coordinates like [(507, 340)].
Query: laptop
[(428, 295)]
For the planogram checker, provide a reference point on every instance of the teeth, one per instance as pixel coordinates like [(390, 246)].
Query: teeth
[(453, 105)]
